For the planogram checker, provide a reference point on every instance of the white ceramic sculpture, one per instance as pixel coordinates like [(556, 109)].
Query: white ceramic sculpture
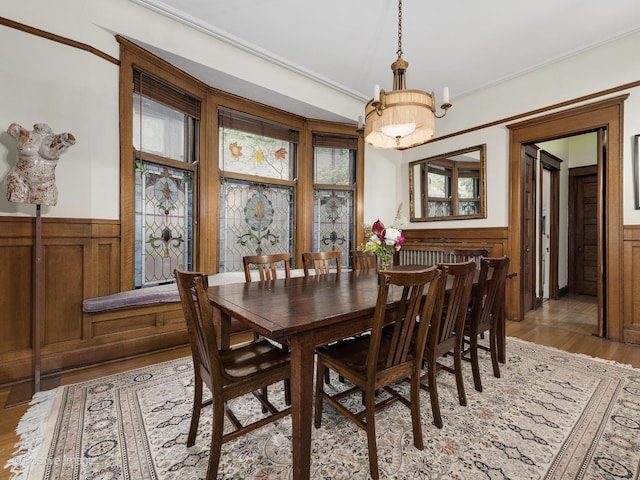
[(33, 179)]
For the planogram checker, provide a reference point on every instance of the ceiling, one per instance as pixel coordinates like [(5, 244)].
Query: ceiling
[(349, 45)]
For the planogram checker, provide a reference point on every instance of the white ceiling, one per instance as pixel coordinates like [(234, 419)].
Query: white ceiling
[(350, 44)]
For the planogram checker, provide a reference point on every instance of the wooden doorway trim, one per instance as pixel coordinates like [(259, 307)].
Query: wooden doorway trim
[(607, 114)]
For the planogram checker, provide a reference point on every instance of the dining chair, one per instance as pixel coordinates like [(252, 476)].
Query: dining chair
[(445, 333), (267, 265), (363, 260), (321, 262), (488, 302), (229, 373), (386, 356)]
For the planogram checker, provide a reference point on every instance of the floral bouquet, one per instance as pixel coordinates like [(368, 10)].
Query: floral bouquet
[(384, 242)]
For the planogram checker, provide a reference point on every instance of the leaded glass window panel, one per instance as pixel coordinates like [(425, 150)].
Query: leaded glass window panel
[(253, 147), (468, 208), (334, 174), (468, 192), (165, 129), (161, 128), (468, 187), (255, 219), (334, 166), (439, 185), (333, 222), (164, 226), (439, 209)]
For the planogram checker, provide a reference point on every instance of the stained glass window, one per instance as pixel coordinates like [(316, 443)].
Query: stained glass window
[(257, 201), (165, 124), (253, 147), (164, 226), (333, 222), (334, 191), (255, 219)]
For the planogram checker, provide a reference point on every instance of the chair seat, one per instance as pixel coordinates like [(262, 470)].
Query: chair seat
[(352, 353), (254, 358)]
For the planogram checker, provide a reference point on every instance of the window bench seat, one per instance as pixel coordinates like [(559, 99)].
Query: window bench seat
[(160, 294), (153, 308)]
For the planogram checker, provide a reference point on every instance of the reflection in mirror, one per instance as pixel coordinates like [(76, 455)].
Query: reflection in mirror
[(449, 186)]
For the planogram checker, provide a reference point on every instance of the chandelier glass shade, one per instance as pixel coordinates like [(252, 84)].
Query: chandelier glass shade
[(401, 118)]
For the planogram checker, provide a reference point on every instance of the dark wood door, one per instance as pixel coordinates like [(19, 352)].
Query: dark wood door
[(586, 235), (529, 227)]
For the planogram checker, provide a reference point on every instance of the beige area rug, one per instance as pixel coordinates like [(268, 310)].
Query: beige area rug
[(552, 415)]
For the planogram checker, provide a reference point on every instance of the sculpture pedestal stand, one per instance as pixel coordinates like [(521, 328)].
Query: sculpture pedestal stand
[(24, 391), (32, 181), (37, 300)]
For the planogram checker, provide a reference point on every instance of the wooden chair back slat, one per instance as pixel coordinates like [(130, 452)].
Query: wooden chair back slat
[(321, 262), (455, 306), (405, 317), (491, 286), (267, 265)]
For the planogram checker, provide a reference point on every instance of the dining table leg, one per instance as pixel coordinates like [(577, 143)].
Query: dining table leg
[(302, 351), (222, 325)]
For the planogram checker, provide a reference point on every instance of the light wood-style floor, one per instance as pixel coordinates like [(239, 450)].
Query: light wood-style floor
[(571, 324), (568, 324)]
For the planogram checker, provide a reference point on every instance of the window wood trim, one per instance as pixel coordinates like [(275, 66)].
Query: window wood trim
[(133, 57), (206, 255)]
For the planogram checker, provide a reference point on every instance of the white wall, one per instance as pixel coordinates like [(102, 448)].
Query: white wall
[(72, 91)]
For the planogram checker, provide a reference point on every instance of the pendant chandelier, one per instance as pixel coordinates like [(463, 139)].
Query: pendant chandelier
[(401, 118)]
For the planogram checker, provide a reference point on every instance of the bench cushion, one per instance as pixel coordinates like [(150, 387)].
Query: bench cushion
[(160, 293)]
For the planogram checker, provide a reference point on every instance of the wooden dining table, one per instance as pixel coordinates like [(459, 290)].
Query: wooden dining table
[(303, 313)]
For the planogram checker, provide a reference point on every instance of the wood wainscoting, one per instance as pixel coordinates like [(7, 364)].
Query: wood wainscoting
[(494, 239), (80, 260), (631, 282)]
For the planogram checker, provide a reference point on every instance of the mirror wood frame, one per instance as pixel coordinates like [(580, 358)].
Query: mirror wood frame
[(446, 159)]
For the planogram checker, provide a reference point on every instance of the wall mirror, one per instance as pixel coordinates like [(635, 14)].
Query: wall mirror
[(450, 186)]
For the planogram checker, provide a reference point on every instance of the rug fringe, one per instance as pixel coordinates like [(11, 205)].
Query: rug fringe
[(537, 346), (30, 429)]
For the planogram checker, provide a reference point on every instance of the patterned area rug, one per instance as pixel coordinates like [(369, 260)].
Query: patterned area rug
[(552, 415)]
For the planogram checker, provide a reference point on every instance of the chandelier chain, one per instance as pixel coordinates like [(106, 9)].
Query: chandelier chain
[(399, 52)]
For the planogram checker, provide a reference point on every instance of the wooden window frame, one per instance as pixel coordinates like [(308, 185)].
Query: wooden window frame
[(206, 254)]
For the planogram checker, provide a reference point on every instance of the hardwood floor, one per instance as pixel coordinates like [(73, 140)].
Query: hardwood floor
[(568, 324)]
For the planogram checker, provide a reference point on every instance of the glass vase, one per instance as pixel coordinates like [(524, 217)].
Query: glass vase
[(385, 258)]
